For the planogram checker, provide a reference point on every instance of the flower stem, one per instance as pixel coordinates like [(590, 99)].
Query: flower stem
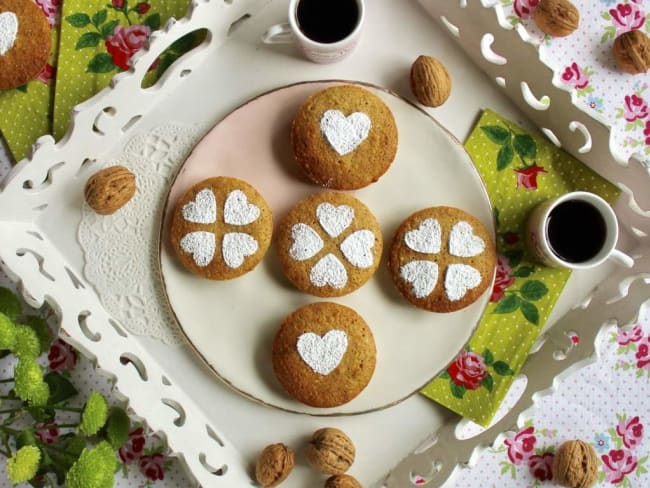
[(55, 426), (10, 410), (69, 409), (8, 380), (6, 454)]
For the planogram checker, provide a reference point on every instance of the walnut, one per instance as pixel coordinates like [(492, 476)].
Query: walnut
[(575, 465), (342, 481), (557, 18), (330, 451), (430, 81), (110, 189), (274, 465), (632, 52)]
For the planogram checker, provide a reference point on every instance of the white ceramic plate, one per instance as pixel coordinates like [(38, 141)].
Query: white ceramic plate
[(231, 324)]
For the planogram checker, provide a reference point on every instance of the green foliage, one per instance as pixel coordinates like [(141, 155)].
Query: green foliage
[(7, 333), (117, 427), (10, 304), (94, 415), (23, 465), (29, 385), (95, 468), (42, 330), (27, 344)]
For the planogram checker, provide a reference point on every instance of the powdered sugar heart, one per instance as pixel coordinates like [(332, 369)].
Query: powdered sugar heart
[(236, 246), (459, 279), (426, 239), (423, 276), (306, 242), (201, 245), (343, 133), (357, 248), (8, 31), (463, 242), (203, 210), (329, 270), (237, 210), (323, 354), (334, 220)]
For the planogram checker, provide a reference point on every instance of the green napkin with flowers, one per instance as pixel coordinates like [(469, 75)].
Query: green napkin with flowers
[(519, 170)]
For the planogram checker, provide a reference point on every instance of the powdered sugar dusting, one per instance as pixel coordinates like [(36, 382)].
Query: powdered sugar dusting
[(323, 354), (426, 239), (357, 248), (236, 246), (329, 270), (460, 278), (203, 210), (201, 245), (237, 210), (463, 242), (334, 220), (423, 276), (8, 31), (306, 242), (343, 133)]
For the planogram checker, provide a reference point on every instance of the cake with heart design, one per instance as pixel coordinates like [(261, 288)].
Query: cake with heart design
[(344, 137), (324, 354), (221, 228), (442, 259), (25, 42), (329, 244)]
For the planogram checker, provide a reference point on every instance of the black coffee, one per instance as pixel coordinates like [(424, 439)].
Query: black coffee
[(576, 231), (327, 21)]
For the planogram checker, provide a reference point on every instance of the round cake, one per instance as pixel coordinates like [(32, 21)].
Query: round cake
[(329, 244), (221, 228), (25, 42), (344, 137), (324, 354), (442, 259)]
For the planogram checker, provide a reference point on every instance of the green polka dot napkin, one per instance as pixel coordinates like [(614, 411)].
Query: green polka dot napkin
[(519, 170), (99, 37)]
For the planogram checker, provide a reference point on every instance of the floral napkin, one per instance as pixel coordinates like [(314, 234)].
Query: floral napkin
[(98, 38), (26, 112), (519, 170)]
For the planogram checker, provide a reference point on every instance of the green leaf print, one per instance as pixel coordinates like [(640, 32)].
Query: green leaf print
[(88, 39), (488, 357), (530, 312), (78, 20), (488, 383), (523, 272), (533, 290), (525, 146), (508, 304), (514, 257), (100, 17), (444, 375), (153, 21), (10, 304), (502, 368), (505, 156), (496, 134), (109, 28), (101, 63), (457, 390)]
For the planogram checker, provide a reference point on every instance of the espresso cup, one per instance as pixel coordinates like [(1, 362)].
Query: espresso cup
[(325, 30), (578, 230)]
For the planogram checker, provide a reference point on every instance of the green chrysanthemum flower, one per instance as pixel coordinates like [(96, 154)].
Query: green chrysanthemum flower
[(29, 385), (23, 465), (95, 468), (7, 333), (27, 344), (94, 414)]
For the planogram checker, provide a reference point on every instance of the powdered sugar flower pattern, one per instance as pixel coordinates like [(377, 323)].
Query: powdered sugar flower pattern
[(356, 248)]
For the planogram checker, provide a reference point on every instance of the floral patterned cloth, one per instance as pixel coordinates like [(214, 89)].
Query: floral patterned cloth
[(604, 404), (584, 63), (519, 171)]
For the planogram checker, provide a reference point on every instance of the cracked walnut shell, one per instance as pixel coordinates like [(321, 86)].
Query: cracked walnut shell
[(342, 481), (110, 189), (430, 81), (274, 465), (632, 52), (557, 18), (330, 451)]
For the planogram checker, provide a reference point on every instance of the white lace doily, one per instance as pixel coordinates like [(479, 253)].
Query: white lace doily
[(121, 250)]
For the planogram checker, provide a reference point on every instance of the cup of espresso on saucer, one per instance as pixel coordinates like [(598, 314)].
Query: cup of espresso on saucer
[(578, 230), (325, 30)]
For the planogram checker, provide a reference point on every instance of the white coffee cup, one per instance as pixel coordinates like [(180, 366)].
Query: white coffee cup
[(542, 244), (319, 52)]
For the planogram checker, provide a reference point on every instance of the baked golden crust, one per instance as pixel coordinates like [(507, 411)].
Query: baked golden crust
[(347, 379), (411, 279), (319, 159)]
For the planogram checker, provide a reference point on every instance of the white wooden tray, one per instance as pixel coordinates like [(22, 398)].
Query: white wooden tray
[(216, 432)]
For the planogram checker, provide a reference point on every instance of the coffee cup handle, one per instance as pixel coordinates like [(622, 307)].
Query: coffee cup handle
[(621, 258), (278, 34)]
